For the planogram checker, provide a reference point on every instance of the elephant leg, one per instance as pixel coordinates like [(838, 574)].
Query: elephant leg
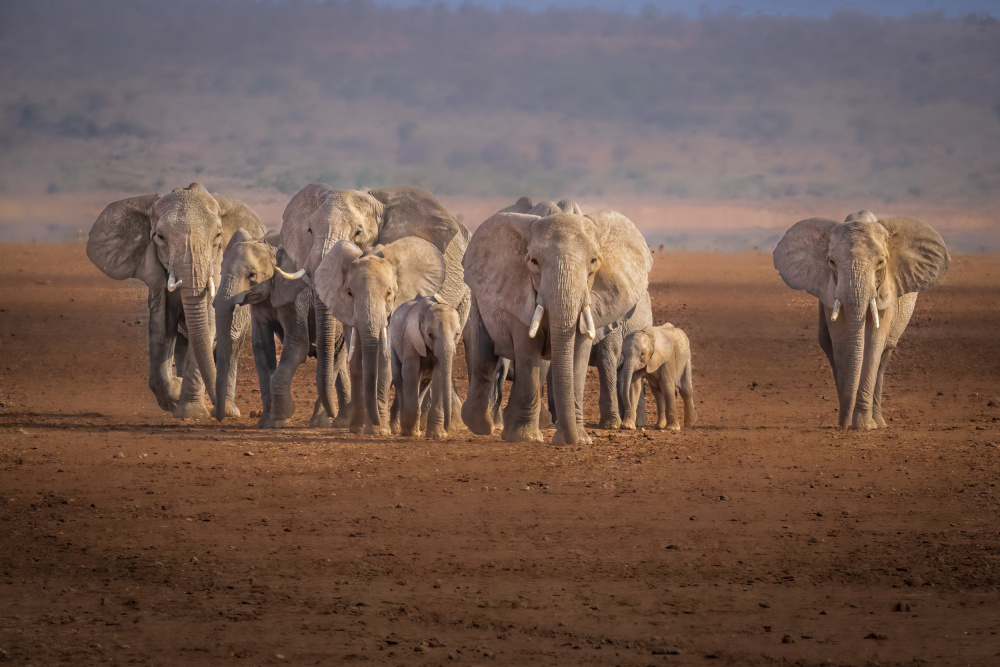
[(862, 418), (481, 362), (319, 418), (877, 396), (669, 385), (659, 394), (239, 336), (546, 414), (293, 354), (607, 354), (359, 411), (520, 419), (581, 361), (640, 415), (496, 391), (342, 385), (826, 343), (408, 388), (550, 396), (165, 385), (633, 391), (327, 330), (384, 382), (686, 387), (424, 402), (265, 361), (191, 404)]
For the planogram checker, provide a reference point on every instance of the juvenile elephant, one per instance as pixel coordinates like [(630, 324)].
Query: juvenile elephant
[(661, 356), (280, 305), (174, 243), (318, 216), (424, 333), (542, 287), (866, 273), (362, 290)]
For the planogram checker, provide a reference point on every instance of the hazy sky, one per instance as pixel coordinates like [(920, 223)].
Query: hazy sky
[(691, 7)]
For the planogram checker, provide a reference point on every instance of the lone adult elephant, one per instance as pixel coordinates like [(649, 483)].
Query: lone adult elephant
[(318, 217), (174, 243), (541, 287), (866, 273)]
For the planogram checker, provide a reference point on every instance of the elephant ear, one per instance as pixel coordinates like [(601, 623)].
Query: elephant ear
[(522, 205), (413, 334), (488, 264), (544, 208), (419, 268), (273, 237), (802, 256), (331, 280), (570, 206), (120, 238), (239, 236), (236, 215), (623, 278), (283, 290), (918, 258)]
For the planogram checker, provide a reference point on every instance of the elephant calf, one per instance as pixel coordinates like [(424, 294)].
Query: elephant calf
[(662, 356), (424, 334)]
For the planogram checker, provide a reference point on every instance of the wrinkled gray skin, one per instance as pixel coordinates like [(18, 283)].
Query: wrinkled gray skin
[(853, 263), (362, 290), (425, 334), (606, 351), (662, 357), (279, 307), (151, 237), (565, 263), (318, 216)]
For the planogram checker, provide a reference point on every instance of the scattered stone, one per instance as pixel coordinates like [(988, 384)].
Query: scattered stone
[(194, 559), (247, 453), (901, 606), (876, 635), (787, 639), (764, 605), (119, 455)]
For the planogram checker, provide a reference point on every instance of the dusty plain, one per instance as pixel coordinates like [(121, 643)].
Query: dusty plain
[(763, 536)]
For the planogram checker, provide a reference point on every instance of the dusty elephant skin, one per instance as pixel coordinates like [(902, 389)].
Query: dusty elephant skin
[(318, 217), (866, 273), (661, 356), (765, 536), (173, 243)]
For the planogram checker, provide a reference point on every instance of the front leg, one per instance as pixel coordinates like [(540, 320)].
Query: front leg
[(668, 385), (409, 389), (163, 382), (240, 331), (607, 354), (265, 361), (877, 396), (294, 351), (520, 419), (581, 361), (481, 361), (359, 411)]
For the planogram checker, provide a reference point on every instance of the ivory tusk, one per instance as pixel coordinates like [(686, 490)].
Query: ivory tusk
[(173, 284), (211, 287), (290, 276), (591, 331), (535, 321), (836, 310), (874, 308)]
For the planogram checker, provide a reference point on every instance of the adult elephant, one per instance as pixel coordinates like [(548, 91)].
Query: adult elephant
[(318, 216), (866, 273), (606, 352), (174, 243), (542, 287)]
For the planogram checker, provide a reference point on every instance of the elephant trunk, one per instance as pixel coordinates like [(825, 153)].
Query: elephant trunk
[(849, 348), (564, 304), (327, 329), (197, 313), (371, 348), (445, 353), (223, 354)]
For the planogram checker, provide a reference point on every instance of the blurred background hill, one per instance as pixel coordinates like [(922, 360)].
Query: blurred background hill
[(720, 113)]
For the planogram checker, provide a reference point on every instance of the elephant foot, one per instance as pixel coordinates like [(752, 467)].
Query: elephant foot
[(232, 410), (879, 420), (265, 422), (372, 429), (675, 427), (319, 419), (863, 422), (343, 418), (435, 432), (610, 423), (478, 422), (583, 438), (522, 433), (628, 425), (195, 410), (545, 419), (168, 395)]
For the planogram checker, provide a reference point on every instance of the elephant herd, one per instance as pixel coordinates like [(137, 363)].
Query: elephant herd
[(382, 285)]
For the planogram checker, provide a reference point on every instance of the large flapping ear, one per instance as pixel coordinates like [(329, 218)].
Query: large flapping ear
[(918, 258), (331, 280), (413, 333), (802, 257), (120, 238), (284, 290), (489, 270), (236, 215), (419, 268), (623, 278)]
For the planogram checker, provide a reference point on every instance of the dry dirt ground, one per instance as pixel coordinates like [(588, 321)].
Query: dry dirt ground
[(762, 536)]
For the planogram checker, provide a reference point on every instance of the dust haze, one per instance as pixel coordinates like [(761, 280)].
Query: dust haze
[(711, 132)]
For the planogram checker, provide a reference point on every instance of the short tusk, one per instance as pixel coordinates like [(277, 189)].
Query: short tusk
[(173, 284), (535, 321), (591, 331), (836, 310), (290, 276), (211, 287), (874, 308)]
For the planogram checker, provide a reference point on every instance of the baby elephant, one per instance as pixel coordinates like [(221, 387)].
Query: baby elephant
[(424, 333), (661, 355)]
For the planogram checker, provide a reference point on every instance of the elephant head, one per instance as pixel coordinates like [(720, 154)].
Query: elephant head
[(173, 242), (858, 270), (562, 276), (251, 274), (363, 289), (638, 352)]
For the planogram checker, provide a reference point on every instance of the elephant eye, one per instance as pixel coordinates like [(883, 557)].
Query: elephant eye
[(159, 236), (833, 263), (593, 260), (349, 292), (881, 262), (357, 233), (388, 294), (534, 261)]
